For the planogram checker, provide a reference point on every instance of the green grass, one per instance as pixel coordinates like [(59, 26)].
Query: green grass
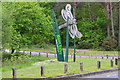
[(20, 60), (56, 68)]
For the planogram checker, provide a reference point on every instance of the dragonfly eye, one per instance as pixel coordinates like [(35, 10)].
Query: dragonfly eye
[(68, 7)]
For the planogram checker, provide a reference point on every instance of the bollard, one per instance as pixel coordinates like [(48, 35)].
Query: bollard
[(111, 62), (14, 73), (107, 56), (102, 57), (46, 54), (39, 54), (65, 68), (42, 70), (55, 55), (98, 64), (84, 52), (113, 57), (30, 53), (81, 66), (116, 61)]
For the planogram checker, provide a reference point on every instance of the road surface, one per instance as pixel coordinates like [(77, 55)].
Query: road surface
[(104, 76)]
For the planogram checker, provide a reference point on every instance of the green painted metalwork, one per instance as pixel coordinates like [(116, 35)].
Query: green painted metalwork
[(74, 58), (67, 42), (59, 50)]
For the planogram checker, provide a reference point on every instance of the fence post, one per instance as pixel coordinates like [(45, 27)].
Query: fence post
[(42, 70), (84, 52), (65, 68), (107, 56), (55, 55), (113, 57), (39, 54), (98, 64), (81, 66), (102, 57), (14, 73), (46, 54), (111, 63), (116, 61), (30, 53)]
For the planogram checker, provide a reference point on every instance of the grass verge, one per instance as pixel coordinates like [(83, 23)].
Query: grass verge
[(53, 69)]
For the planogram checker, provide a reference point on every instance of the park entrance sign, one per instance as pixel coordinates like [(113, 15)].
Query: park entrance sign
[(71, 28)]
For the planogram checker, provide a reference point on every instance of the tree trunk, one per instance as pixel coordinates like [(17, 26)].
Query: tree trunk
[(108, 18), (119, 27), (111, 15), (74, 9)]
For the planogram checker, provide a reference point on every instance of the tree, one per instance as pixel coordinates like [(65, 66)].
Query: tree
[(111, 15), (119, 27), (108, 18)]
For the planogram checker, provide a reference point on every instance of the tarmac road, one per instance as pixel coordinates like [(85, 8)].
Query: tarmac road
[(105, 75), (115, 75), (70, 56)]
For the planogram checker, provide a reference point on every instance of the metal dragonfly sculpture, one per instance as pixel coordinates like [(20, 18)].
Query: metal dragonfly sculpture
[(72, 27)]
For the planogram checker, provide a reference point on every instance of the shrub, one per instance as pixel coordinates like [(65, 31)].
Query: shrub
[(85, 45), (109, 43)]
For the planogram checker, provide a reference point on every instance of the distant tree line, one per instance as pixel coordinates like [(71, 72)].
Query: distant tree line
[(29, 23)]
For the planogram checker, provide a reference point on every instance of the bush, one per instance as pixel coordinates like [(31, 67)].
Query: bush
[(85, 45), (109, 43)]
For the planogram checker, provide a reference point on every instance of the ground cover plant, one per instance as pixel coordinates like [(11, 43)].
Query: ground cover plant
[(19, 60)]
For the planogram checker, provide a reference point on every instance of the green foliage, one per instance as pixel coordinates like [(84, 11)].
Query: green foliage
[(21, 60), (25, 25), (109, 43)]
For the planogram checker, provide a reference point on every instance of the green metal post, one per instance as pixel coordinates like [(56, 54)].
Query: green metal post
[(67, 42), (74, 58)]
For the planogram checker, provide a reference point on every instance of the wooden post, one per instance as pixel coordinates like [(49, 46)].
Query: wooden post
[(65, 68), (111, 62), (55, 55), (102, 57), (113, 57), (107, 56), (39, 54), (30, 53), (14, 73), (71, 56), (81, 66), (116, 61), (84, 52), (46, 54), (42, 70), (98, 64)]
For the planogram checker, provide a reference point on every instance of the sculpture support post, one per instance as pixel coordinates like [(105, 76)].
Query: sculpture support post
[(74, 58), (67, 42)]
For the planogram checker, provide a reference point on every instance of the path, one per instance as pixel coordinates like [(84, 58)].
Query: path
[(70, 56)]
